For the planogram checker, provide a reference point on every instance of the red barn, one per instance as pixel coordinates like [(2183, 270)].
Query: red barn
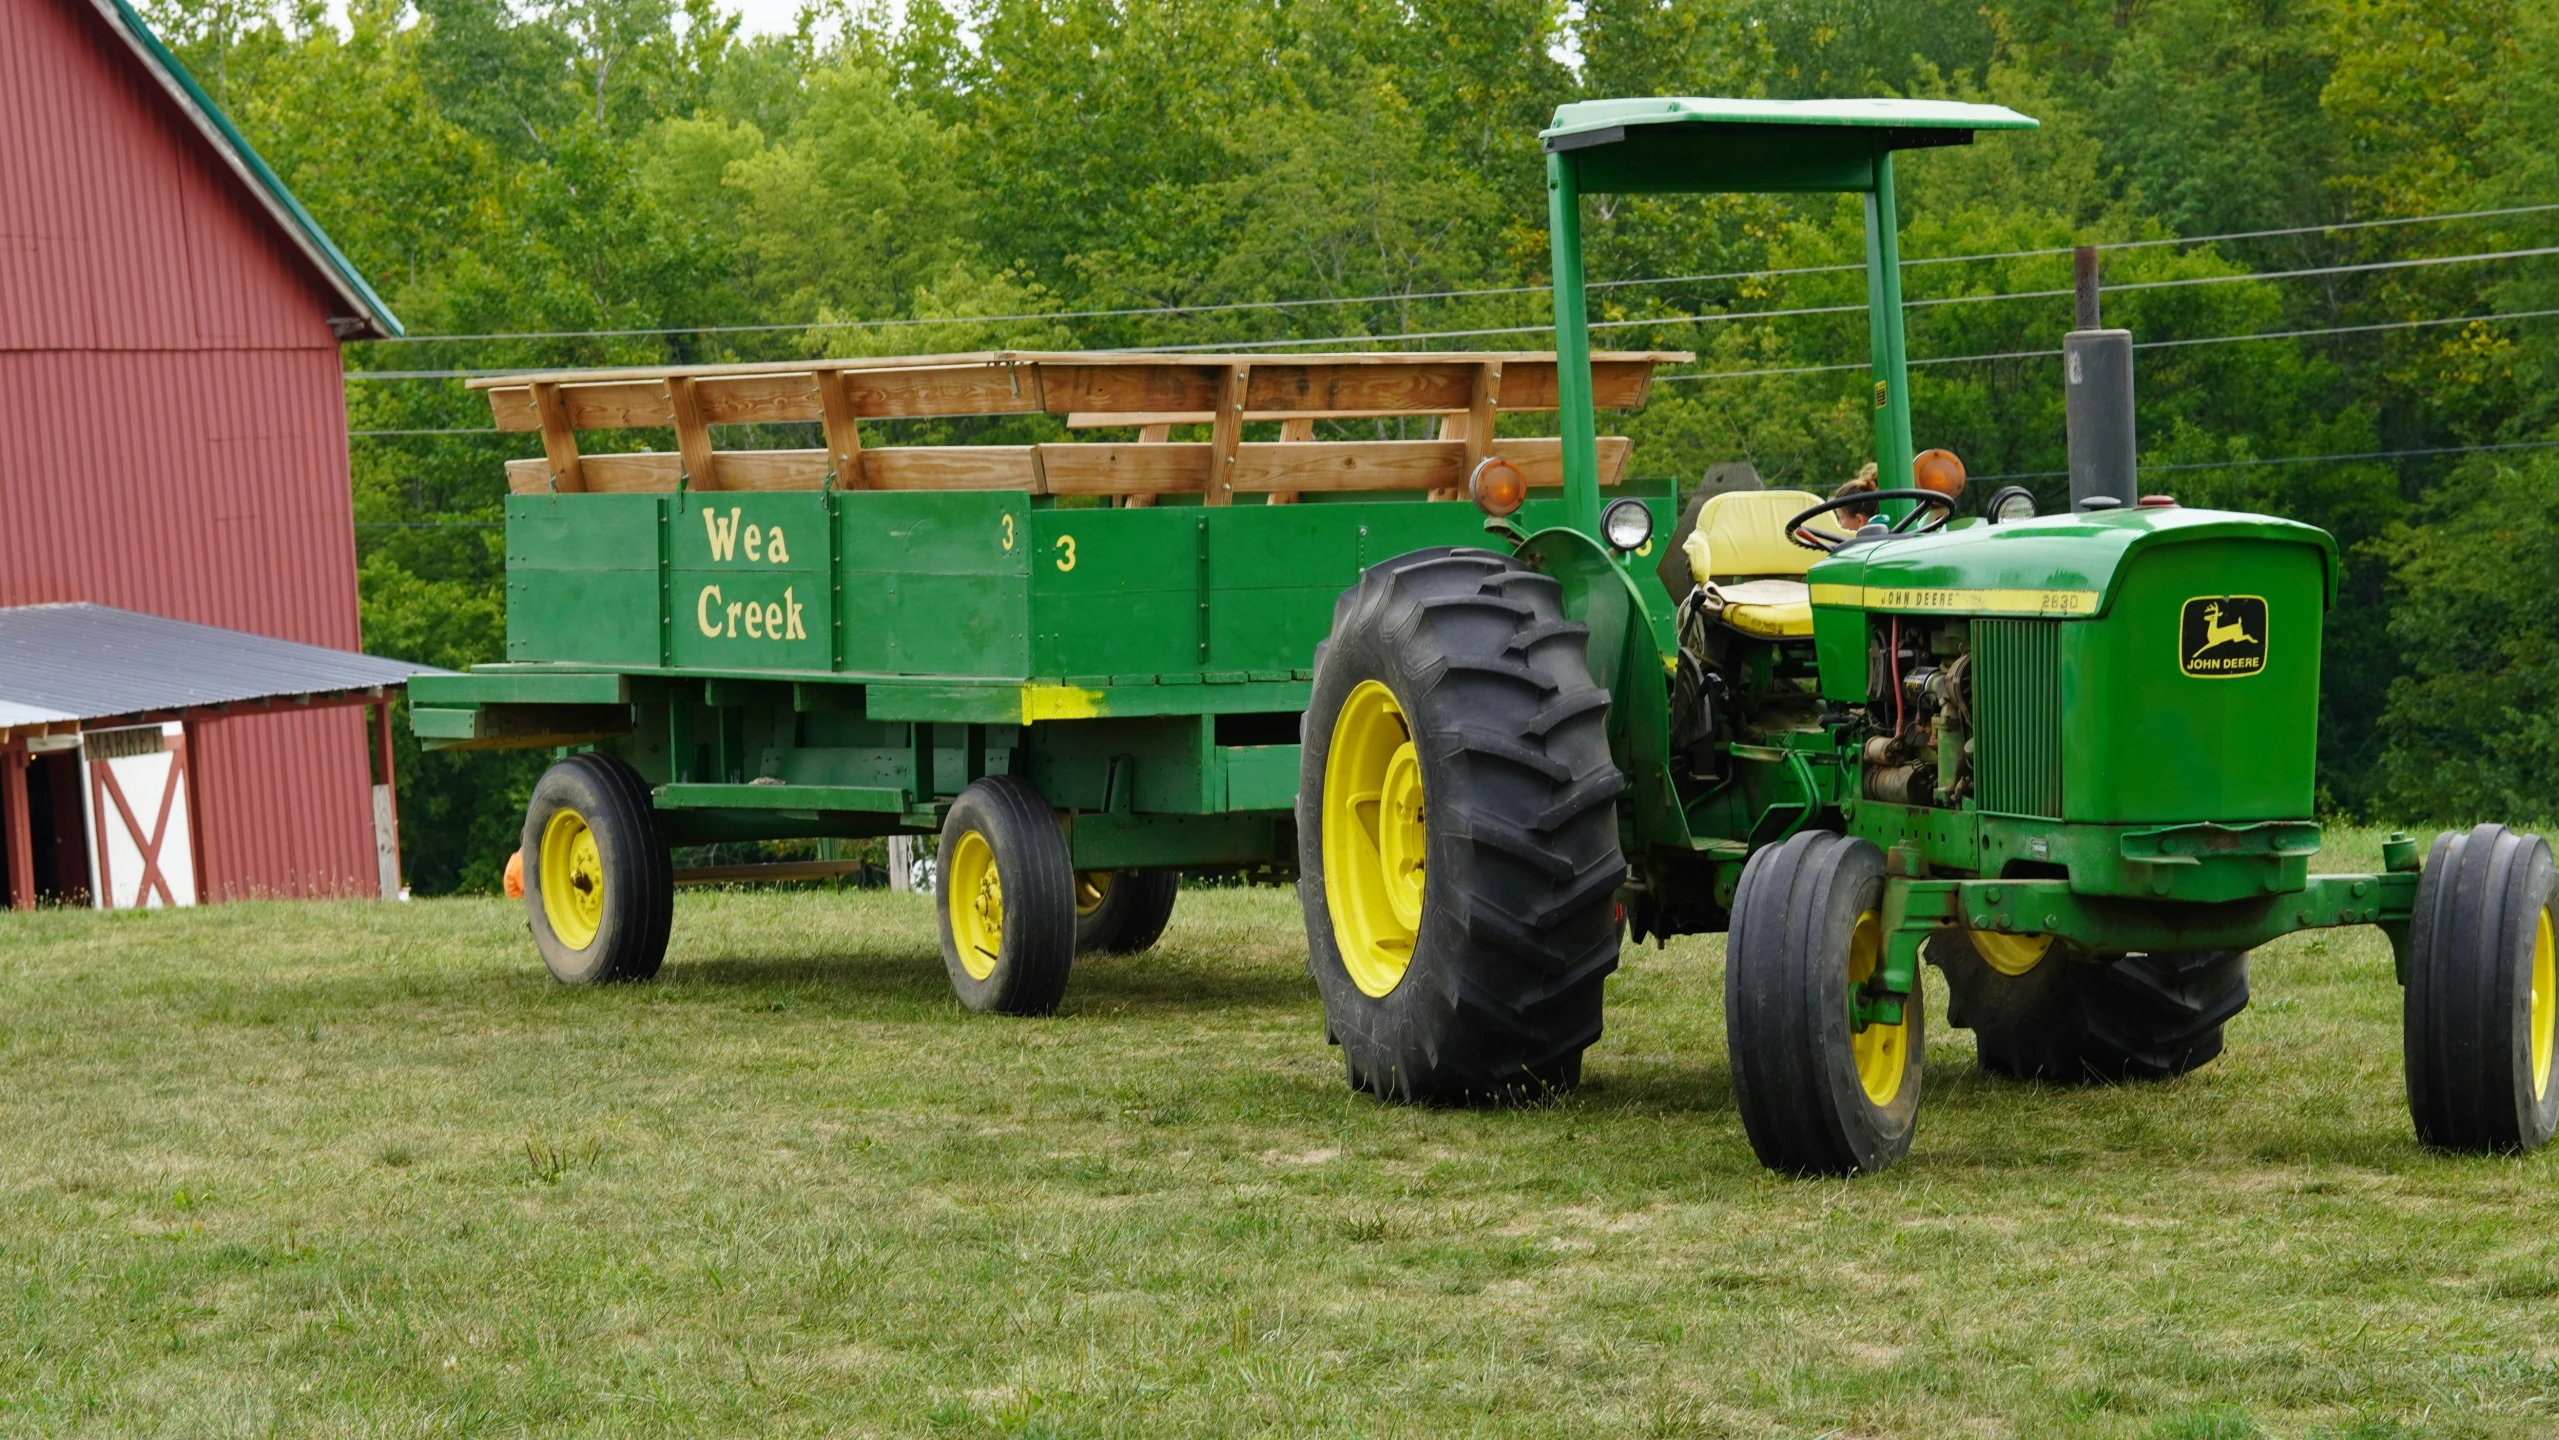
[(176, 441)]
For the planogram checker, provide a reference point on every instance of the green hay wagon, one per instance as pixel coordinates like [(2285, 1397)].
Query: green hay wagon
[(2067, 759)]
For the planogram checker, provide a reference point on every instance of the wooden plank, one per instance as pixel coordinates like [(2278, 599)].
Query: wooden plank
[(1147, 434), (692, 437), (1475, 427), (778, 399), (559, 442), (528, 477), (1297, 430), (1129, 386), (772, 469), (946, 390), (1225, 433), (625, 474), (1139, 471), (1440, 384), (952, 467), (843, 432), (1615, 384), (1404, 464), (1379, 358)]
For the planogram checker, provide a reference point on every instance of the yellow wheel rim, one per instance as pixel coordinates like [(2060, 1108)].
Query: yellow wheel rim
[(1092, 887), (2011, 954), (976, 899), (572, 879), (1374, 840), (2545, 1004), (1882, 1051)]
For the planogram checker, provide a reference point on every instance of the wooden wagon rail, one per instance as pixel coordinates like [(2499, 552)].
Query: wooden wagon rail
[(1465, 393)]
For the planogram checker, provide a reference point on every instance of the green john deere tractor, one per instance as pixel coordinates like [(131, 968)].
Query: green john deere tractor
[(2066, 759)]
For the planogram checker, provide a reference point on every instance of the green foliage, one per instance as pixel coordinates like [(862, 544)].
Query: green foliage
[(943, 176)]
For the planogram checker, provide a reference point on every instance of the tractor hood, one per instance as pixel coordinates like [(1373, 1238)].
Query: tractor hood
[(2053, 565)]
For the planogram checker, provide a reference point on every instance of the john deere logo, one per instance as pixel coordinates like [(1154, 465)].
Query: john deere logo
[(2223, 636)]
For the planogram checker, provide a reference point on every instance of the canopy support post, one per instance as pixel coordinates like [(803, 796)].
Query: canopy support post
[(1884, 337), (1572, 346)]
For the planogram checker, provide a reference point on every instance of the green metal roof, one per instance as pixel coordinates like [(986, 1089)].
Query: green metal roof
[(1696, 143), (371, 318)]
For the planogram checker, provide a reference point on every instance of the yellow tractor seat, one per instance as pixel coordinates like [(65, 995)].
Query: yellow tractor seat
[(1758, 572)]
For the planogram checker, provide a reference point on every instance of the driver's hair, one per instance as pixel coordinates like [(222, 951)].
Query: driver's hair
[(1863, 484)]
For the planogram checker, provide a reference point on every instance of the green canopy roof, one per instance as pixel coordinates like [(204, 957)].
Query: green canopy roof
[(1697, 143)]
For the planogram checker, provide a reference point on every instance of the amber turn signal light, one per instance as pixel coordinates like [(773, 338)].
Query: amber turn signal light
[(1940, 471), (1497, 486)]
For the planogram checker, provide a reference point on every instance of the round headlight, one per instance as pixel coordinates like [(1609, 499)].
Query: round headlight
[(1626, 524), (2014, 503)]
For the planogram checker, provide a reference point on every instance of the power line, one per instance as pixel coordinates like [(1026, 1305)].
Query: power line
[(2138, 345), (2294, 460), (1231, 306)]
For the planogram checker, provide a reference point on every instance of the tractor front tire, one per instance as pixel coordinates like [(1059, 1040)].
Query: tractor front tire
[(599, 886), (2482, 998), (1007, 892), (1121, 912), (2072, 1019), (1818, 1095), (1457, 832)]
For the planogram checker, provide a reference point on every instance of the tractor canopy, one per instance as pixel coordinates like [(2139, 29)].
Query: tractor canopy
[(1699, 144)]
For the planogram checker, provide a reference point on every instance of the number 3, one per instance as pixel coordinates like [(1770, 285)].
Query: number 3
[(1008, 532), (1066, 552)]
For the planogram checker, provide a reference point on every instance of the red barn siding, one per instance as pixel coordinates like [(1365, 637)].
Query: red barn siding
[(177, 441)]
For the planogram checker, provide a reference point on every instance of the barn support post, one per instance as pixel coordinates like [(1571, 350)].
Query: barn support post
[(17, 827), (386, 803)]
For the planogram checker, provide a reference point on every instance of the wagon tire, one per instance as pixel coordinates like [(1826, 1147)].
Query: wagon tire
[(599, 885), (1006, 893), (2482, 998), (1817, 1094), (2074, 1019), (1121, 912), (1458, 856)]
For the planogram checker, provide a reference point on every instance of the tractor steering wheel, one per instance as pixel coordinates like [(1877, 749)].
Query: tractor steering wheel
[(1828, 543)]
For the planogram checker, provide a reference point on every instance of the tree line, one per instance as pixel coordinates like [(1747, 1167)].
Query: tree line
[(634, 181)]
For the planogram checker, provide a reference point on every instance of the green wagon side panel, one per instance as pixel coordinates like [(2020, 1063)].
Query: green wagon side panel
[(738, 563), (1116, 592), (936, 583), (582, 578)]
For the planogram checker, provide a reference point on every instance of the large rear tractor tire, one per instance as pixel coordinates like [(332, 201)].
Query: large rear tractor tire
[(1121, 912), (2482, 998), (1819, 1095), (1457, 832), (2039, 1010), (1007, 892), (599, 886)]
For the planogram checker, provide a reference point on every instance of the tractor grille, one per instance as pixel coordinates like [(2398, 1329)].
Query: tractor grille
[(2017, 717)]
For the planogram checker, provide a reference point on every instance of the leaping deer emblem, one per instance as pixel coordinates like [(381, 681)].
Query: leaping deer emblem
[(2217, 633)]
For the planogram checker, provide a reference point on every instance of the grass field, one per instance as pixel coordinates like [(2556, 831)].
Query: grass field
[(361, 1168)]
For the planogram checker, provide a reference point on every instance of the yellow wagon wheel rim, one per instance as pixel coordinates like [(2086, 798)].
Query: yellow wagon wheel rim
[(1092, 887), (1882, 1051), (572, 879), (2545, 1003), (975, 895), (1374, 839), (2011, 954)]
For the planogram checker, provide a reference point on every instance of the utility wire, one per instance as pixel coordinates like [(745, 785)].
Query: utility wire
[(1241, 346), (1227, 307), (2138, 345), (2292, 460)]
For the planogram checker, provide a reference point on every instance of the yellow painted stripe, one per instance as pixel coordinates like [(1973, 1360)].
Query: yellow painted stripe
[(1970, 602), (1059, 702)]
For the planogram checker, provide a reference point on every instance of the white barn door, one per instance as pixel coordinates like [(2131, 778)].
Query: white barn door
[(140, 825)]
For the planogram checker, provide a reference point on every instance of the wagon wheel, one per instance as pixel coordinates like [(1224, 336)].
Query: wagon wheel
[(1457, 831), (1122, 912), (1007, 892), (599, 887)]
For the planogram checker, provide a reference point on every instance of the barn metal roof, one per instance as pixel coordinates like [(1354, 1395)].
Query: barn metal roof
[(372, 319), (81, 662)]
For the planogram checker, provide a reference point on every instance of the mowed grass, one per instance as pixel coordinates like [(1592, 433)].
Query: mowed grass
[(362, 1168)]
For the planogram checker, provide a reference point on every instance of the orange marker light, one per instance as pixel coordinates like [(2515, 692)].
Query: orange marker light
[(1497, 486), (1938, 470), (515, 876)]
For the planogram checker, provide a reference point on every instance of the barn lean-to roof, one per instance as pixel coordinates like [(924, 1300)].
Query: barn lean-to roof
[(370, 318)]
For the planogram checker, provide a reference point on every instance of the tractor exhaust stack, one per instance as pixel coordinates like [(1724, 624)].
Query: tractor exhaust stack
[(2097, 365)]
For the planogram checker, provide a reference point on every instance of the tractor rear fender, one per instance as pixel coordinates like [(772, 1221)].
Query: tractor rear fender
[(1633, 647)]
